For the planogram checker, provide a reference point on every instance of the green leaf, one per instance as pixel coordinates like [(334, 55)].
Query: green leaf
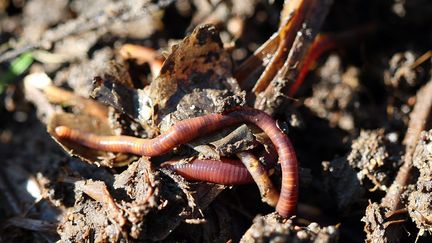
[(16, 68)]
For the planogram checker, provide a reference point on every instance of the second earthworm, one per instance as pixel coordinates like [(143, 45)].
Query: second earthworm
[(224, 171)]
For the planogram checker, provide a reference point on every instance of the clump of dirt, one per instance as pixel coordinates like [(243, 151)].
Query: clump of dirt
[(369, 166), (336, 96), (139, 194), (401, 74), (375, 156), (419, 206), (64, 63), (271, 228)]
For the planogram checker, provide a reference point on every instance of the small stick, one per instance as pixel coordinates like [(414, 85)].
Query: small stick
[(418, 119), (65, 97), (423, 58), (287, 35), (269, 193), (271, 47), (271, 98), (255, 61), (121, 11), (394, 222)]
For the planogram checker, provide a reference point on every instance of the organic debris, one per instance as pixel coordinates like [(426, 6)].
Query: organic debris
[(347, 81)]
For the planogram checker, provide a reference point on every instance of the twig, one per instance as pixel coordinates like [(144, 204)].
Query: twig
[(8, 55), (269, 193), (392, 200), (120, 11), (276, 47), (287, 35), (67, 98), (250, 65), (423, 58), (274, 95), (417, 123)]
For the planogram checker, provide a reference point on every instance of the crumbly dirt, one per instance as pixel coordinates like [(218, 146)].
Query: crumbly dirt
[(271, 228), (419, 206), (347, 122)]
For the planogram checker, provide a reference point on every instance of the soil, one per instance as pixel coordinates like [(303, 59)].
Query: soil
[(350, 122)]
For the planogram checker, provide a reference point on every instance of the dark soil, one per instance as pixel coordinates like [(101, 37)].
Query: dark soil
[(347, 123)]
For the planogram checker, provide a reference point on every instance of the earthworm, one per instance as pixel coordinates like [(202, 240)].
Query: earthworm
[(224, 171), (187, 130)]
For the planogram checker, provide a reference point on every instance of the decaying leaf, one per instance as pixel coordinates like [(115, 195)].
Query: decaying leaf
[(195, 79)]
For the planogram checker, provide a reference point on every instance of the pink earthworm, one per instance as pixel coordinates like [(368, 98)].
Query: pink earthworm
[(224, 171), (187, 130)]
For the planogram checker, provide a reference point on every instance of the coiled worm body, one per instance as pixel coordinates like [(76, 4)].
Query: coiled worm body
[(187, 130)]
